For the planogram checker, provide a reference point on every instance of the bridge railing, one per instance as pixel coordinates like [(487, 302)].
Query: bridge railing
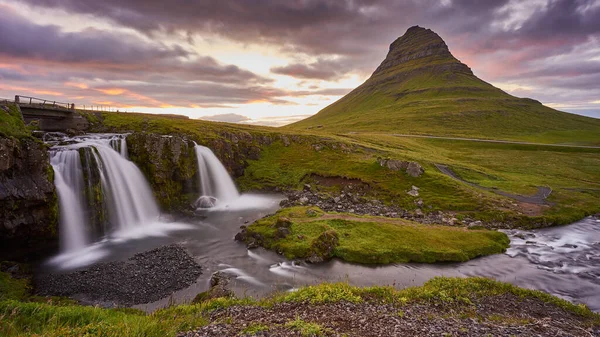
[(43, 102)]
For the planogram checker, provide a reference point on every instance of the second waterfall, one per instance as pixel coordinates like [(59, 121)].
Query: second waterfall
[(216, 186)]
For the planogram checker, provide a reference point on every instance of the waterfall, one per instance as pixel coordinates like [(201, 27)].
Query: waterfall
[(214, 178), (68, 178), (127, 197)]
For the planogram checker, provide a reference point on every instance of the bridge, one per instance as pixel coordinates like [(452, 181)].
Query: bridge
[(50, 115)]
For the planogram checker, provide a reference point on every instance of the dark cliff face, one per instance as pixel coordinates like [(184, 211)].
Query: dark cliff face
[(28, 202), (418, 44), (170, 165)]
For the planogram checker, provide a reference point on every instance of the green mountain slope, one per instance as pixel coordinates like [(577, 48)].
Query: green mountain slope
[(420, 88)]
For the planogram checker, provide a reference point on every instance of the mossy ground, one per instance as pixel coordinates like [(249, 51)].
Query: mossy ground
[(377, 240), (19, 316), (11, 123)]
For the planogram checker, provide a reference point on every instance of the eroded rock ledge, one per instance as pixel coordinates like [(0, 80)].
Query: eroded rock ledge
[(28, 202)]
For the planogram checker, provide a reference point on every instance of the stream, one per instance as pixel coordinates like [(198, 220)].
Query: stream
[(563, 261)]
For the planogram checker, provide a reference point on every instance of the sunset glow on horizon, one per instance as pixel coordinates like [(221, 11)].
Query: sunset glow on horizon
[(274, 62)]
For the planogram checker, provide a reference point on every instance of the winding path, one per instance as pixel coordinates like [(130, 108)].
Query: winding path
[(539, 198)]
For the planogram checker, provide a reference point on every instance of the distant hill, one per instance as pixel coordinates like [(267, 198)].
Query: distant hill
[(421, 88)]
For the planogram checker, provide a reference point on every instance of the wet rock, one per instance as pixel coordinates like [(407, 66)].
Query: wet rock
[(205, 202), (219, 287)]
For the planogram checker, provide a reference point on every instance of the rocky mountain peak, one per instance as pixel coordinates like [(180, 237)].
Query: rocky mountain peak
[(416, 43)]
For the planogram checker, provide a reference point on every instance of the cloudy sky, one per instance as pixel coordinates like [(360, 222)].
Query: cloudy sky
[(272, 62)]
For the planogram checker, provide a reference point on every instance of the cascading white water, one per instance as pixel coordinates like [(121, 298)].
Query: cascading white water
[(129, 195), (68, 178), (214, 178), (129, 199)]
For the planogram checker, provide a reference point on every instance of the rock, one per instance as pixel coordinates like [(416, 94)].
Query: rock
[(282, 232), (283, 222), (28, 202), (311, 212), (414, 191), (419, 202), (219, 287), (317, 147), (418, 212), (475, 224), (323, 246), (414, 169), (205, 202), (411, 168), (285, 140), (303, 200), (307, 187)]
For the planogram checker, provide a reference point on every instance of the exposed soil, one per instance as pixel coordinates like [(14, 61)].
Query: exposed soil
[(145, 277), (504, 315)]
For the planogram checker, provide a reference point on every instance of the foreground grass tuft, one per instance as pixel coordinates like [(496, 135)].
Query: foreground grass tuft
[(307, 329)]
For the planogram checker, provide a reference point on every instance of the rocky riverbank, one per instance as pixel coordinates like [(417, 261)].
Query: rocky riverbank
[(496, 311), (143, 278), (356, 202)]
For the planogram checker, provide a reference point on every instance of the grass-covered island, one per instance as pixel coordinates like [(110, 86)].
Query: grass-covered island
[(309, 233), (441, 307)]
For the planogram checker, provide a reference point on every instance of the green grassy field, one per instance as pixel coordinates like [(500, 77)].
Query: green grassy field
[(374, 240), (572, 173)]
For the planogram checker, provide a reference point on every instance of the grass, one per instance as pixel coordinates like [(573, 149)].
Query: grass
[(307, 329), (11, 123), (254, 329), (20, 317), (519, 169), (375, 240)]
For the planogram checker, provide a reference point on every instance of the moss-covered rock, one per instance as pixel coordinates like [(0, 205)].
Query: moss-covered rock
[(323, 247), (98, 215)]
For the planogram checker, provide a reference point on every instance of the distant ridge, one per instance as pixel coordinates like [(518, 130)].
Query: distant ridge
[(421, 88)]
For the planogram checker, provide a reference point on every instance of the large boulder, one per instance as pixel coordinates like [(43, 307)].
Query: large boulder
[(323, 247)]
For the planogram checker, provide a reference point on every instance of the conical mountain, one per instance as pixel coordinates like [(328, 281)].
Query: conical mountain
[(421, 88)]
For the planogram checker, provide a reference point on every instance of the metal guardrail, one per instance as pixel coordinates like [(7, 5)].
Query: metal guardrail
[(42, 102)]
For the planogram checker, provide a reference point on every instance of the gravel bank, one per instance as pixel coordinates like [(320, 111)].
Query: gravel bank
[(145, 277), (504, 315)]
